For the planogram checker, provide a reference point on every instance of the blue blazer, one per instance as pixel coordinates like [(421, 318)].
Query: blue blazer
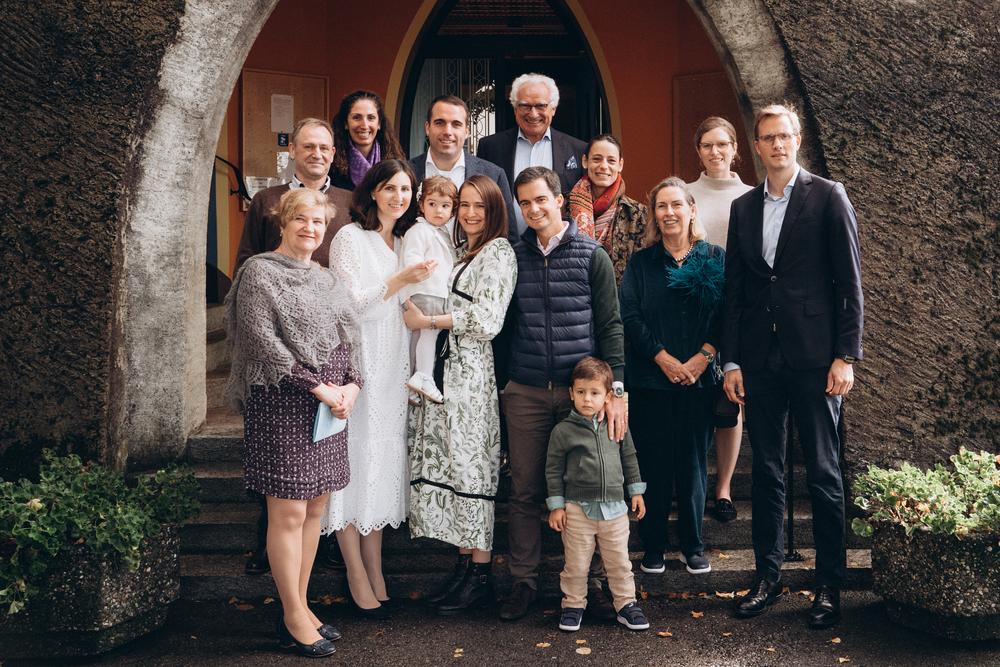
[(473, 166), (811, 300)]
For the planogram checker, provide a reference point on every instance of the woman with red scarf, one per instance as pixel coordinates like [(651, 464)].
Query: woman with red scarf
[(601, 209)]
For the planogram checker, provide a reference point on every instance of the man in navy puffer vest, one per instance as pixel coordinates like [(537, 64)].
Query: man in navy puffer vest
[(565, 307)]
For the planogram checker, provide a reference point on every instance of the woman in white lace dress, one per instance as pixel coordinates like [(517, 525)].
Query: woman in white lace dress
[(364, 258)]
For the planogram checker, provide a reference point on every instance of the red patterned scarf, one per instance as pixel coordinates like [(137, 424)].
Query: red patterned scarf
[(593, 217)]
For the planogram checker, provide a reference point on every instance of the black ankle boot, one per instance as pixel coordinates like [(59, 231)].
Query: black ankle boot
[(454, 581), (475, 588)]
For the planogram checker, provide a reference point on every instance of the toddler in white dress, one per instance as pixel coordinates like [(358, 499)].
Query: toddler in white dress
[(431, 237)]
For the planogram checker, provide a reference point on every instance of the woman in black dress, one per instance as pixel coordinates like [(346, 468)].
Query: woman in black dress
[(292, 353)]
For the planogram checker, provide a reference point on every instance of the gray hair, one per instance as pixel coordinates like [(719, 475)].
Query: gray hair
[(532, 78)]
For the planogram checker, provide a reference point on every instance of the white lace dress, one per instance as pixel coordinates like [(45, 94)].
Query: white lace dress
[(376, 431)]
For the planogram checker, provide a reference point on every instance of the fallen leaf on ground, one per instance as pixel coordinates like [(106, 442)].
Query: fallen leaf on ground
[(326, 600), (725, 596), (644, 595), (459, 650), (703, 595), (771, 649), (664, 633), (843, 660), (194, 637), (581, 641), (233, 600), (835, 640), (268, 600), (786, 590), (543, 645), (549, 612), (697, 614), (583, 650), (685, 595), (723, 555), (244, 606), (415, 595), (727, 634), (743, 592)]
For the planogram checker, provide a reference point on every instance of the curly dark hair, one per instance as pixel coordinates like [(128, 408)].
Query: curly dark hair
[(386, 137)]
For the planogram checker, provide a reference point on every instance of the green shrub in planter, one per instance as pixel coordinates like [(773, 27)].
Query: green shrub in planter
[(936, 543), (81, 527)]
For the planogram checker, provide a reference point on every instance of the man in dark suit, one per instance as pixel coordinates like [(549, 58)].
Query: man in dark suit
[(533, 143), (447, 128), (793, 323)]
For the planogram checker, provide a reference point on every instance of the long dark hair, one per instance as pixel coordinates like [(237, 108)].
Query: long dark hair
[(364, 210), (496, 214), (386, 137)]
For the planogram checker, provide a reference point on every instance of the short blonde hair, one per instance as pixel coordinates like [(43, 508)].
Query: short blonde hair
[(297, 199), (653, 235), (774, 110)]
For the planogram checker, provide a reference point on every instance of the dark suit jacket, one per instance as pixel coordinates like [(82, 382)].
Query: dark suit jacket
[(812, 297), (473, 166), (567, 155)]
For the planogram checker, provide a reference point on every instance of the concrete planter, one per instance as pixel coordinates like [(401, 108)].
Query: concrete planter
[(92, 605), (939, 584)]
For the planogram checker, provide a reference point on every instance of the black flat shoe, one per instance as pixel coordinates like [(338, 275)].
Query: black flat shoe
[(763, 594), (825, 610), (392, 604), (379, 613), (327, 631), (724, 511), (257, 563), (321, 648)]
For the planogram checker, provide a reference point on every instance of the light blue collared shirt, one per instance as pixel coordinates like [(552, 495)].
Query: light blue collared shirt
[(774, 218), (598, 510), (527, 154)]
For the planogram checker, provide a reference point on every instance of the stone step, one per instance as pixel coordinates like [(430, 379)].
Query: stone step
[(231, 528), (216, 352), (215, 315), (215, 386), (222, 482), (220, 576)]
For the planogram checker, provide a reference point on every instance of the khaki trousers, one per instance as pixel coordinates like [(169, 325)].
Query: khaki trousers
[(579, 538)]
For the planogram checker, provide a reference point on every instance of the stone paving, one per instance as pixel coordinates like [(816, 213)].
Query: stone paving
[(220, 633)]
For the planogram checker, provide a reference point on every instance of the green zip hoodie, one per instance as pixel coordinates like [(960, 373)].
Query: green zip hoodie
[(585, 464)]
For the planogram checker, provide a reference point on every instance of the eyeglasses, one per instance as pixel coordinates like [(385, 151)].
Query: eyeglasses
[(722, 146), (783, 137), (540, 106)]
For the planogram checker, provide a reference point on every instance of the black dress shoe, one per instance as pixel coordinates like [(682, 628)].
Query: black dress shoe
[(517, 604), (321, 648), (379, 613), (257, 563), (327, 631), (724, 511), (475, 589), (761, 596), (328, 553), (825, 610), (454, 581)]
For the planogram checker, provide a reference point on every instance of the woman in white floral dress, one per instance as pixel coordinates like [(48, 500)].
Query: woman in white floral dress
[(363, 255), (455, 446)]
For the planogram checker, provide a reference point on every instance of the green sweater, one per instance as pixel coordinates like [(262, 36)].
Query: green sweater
[(587, 465)]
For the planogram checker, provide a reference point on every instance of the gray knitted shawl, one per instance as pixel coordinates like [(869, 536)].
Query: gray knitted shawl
[(280, 312)]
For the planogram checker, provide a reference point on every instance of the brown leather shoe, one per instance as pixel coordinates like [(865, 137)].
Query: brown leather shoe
[(518, 602)]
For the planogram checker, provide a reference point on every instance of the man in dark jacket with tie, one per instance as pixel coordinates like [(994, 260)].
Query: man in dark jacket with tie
[(792, 332)]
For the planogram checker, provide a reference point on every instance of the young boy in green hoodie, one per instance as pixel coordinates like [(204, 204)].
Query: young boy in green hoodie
[(585, 472)]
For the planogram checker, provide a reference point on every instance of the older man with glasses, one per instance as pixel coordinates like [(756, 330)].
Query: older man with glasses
[(533, 143)]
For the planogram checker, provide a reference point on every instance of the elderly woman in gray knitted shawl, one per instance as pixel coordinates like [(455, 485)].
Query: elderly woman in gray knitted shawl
[(291, 353)]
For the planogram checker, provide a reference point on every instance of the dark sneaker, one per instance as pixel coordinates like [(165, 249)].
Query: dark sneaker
[(653, 563), (632, 617), (570, 619), (696, 563)]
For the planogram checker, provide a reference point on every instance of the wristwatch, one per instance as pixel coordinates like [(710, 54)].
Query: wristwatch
[(618, 389), (708, 355), (849, 359)]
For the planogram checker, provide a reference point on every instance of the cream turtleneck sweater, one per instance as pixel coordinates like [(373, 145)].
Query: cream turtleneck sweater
[(713, 196)]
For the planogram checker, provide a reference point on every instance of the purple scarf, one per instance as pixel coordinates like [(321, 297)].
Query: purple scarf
[(359, 164)]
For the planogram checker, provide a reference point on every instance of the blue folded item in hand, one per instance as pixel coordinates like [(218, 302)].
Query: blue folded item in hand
[(326, 423)]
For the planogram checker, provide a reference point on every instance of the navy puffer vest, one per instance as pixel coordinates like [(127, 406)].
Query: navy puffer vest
[(554, 322)]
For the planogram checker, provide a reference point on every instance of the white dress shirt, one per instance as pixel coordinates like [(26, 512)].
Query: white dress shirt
[(456, 174), (527, 154)]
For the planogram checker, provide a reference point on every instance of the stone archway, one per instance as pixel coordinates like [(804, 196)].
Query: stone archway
[(157, 390)]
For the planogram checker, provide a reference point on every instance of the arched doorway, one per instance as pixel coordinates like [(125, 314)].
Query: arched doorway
[(158, 390)]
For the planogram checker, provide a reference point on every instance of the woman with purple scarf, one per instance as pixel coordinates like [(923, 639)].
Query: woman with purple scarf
[(363, 137)]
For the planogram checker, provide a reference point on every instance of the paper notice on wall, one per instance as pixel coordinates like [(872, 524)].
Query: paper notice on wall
[(282, 113)]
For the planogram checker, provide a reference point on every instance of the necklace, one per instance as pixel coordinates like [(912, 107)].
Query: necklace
[(681, 260)]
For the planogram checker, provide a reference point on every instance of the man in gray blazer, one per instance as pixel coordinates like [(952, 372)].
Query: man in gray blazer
[(534, 143), (447, 128)]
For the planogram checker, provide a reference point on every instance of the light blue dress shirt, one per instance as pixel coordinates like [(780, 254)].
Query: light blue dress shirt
[(774, 218), (597, 510), (527, 154)]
